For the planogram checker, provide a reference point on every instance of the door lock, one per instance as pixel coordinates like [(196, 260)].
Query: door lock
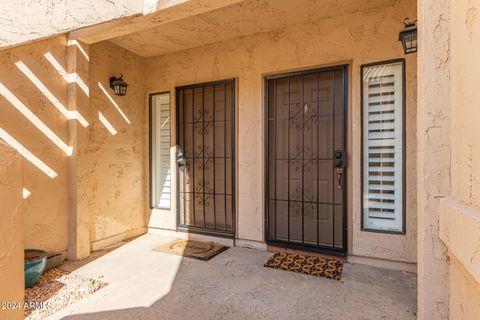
[(340, 158), (340, 164)]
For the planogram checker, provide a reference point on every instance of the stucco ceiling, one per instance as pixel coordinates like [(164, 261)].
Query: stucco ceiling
[(241, 19)]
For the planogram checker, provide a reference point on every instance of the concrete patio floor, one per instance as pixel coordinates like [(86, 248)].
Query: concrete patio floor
[(146, 284)]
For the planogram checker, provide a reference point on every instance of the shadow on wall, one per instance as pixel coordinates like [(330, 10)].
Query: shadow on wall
[(117, 147), (34, 119)]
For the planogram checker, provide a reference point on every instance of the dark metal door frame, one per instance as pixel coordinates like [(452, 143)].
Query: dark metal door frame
[(329, 250), (209, 231)]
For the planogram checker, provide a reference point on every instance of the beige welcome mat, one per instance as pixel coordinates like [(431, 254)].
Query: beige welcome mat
[(192, 249), (315, 266)]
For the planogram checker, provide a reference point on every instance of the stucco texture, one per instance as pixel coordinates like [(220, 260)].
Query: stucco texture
[(355, 38), (156, 13), (464, 293), (433, 155), (460, 211), (46, 209), (106, 179), (240, 19), (11, 233), (118, 168), (28, 20), (448, 169), (465, 49), (97, 191)]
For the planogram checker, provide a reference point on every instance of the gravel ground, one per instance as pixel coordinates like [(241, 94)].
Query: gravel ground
[(55, 290)]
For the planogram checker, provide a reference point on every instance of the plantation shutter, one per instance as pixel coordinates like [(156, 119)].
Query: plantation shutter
[(161, 172), (383, 126)]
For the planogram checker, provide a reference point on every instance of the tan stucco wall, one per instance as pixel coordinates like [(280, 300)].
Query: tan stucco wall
[(98, 192), (433, 157), (465, 50), (464, 293), (175, 32), (355, 38), (448, 163), (460, 211), (78, 98), (46, 210), (460, 232), (92, 21), (22, 21), (119, 167), (156, 13), (11, 233)]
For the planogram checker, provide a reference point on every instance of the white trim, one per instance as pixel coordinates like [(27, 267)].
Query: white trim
[(161, 150), (383, 152)]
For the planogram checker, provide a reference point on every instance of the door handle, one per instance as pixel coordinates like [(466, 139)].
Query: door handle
[(340, 164), (339, 177), (180, 163), (180, 159)]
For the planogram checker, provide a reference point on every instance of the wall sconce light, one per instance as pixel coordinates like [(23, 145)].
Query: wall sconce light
[(118, 85), (409, 36)]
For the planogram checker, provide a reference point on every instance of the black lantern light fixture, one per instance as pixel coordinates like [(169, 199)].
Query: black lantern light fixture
[(408, 36), (118, 85)]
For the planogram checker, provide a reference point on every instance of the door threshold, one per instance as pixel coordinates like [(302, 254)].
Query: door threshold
[(205, 232), (325, 255), (177, 234)]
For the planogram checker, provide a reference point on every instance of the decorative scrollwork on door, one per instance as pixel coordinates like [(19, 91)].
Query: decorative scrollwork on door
[(206, 134)]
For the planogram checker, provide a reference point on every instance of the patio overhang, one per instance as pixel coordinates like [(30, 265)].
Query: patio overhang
[(191, 24), (155, 13)]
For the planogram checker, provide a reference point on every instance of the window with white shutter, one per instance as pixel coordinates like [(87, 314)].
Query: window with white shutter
[(383, 147), (160, 150)]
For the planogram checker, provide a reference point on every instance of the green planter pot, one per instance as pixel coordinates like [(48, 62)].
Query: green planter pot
[(54, 260), (34, 266)]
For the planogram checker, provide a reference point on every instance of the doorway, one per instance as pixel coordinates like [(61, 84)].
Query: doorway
[(306, 160), (205, 158)]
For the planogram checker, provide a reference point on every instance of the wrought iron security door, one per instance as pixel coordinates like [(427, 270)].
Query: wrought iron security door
[(205, 157), (306, 160)]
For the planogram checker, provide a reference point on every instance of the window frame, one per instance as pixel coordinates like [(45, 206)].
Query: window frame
[(150, 149), (362, 149)]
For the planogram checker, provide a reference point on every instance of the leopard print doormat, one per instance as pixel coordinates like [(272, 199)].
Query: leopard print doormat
[(315, 266)]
